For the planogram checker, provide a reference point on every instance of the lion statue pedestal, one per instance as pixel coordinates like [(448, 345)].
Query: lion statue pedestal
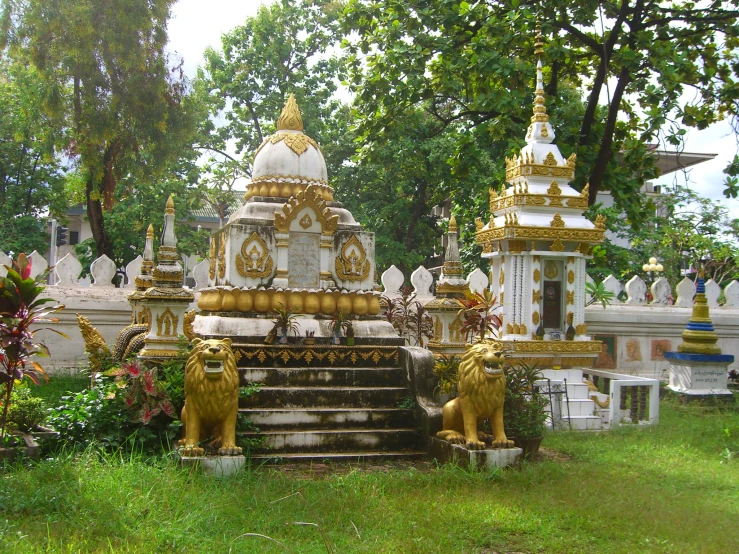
[(211, 406), (481, 387)]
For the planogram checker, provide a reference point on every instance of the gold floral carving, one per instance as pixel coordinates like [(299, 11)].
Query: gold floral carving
[(297, 142), (256, 262), (501, 278), (541, 233), (563, 347), (212, 261), (600, 221), (550, 270), (550, 160), (577, 202), (479, 224), (535, 318), (502, 298), (536, 296), (570, 276), (187, 324), (581, 329), (583, 248), (516, 246), (557, 221), (554, 189), (454, 334), (221, 256), (356, 355), (585, 192), (305, 221), (570, 296), (537, 276), (167, 324), (312, 198), (352, 264), (557, 246)]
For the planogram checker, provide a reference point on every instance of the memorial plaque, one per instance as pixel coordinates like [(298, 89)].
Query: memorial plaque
[(304, 260)]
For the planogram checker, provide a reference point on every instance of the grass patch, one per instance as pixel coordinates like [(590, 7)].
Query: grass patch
[(58, 386), (671, 488)]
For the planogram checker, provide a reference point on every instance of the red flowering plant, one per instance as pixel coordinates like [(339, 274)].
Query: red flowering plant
[(476, 313), (143, 393), (20, 309)]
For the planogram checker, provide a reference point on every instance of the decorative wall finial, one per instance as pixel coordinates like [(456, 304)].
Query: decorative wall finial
[(170, 206), (290, 118), (150, 231), (453, 224)]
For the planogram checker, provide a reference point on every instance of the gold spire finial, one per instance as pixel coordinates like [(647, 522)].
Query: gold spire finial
[(539, 43), (169, 210), (150, 231), (290, 118), (453, 224)]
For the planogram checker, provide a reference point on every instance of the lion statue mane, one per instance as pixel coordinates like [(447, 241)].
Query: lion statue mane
[(211, 398), (481, 387)]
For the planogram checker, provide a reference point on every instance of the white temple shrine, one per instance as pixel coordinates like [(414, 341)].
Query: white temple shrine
[(538, 242), (290, 245)]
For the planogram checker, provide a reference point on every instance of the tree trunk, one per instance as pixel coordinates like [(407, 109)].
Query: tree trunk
[(605, 154), (97, 221)]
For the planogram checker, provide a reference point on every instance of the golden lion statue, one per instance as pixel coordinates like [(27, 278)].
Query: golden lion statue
[(211, 398), (481, 386)]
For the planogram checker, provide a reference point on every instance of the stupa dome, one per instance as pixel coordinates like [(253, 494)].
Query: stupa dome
[(288, 161)]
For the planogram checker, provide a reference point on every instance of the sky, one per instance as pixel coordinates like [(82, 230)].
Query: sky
[(196, 24)]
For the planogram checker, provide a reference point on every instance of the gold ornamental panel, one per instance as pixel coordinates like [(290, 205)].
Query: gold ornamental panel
[(167, 324), (254, 262), (537, 276), (581, 329), (352, 263), (541, 233), (555, 346), (312, 198), (212, 261), (550, 270), (557, 246), (570, 276), (222, 256), (570, 296), (535, 318), (536, 296), (557, 221)]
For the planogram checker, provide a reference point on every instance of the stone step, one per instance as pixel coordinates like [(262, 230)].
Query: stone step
[(329, 418), (324, 376), (330, 397), (337, 440), (582, 423), (577, 407), (339, 457)]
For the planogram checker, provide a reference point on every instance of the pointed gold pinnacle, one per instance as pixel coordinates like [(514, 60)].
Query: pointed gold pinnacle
[(290, 118)]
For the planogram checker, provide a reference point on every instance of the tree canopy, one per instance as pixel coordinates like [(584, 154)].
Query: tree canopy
[(649, 68)]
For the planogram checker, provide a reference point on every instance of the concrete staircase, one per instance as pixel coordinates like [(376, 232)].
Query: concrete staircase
[(575, 409), (349, 409)]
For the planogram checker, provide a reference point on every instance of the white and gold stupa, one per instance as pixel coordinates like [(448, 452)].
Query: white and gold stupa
[(290, 245), (538, 241)]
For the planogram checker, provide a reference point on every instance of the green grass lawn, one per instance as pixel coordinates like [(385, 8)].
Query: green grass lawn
[(671, 488)]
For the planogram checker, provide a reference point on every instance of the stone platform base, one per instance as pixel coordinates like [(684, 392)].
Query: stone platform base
[(217, 466), (446, 453), (699, 375)]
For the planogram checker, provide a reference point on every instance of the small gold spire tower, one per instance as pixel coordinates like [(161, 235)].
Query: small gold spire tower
[(699, 337)]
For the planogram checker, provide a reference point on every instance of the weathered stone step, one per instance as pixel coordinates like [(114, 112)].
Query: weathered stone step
[(336, 440), (324, 376), (331, 397), (329, 418), (339, 457)]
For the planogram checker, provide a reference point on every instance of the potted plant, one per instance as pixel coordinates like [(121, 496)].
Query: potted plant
[(349, 333), (285, 322), (21, 308), (339, 323), (446, 368), (476, 313), (524, 411), (310, 337)]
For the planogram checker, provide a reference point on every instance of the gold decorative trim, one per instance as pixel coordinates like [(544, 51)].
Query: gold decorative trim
[(187, 324), (257, 262), (581, 329), (550, 270), (570, 276), (501, 278), (600, 221), (311, 198), (169, 209), (438, 329), (535, 318), (222, 256), (212, 261), (577, 202), (153, 353), (446, 288), (540, 233), (305, 221), (570, 296), (332, 355), (297, 142), (537, 276), (554, 189), (557, 221), (554, 346), (536, 296), (352, 263)]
